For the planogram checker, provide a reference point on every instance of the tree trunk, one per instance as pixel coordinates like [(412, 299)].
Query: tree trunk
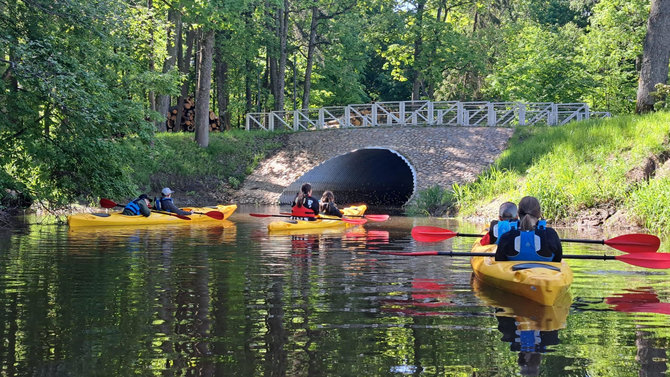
[(249, 72), (311, 47), (152, 64), (418, 43), (655, 56), (221, 70), (184, 66), (282, 31), (204, 86), (173, 38), (248, 95)]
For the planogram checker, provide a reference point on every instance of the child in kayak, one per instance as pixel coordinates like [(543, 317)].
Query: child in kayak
[(533, 241), (507, 219), (305, 206), (139, 206), (164, 203), (328, 206)]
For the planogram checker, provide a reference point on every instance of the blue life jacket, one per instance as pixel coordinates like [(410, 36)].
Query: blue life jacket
[(503, 227), (159, 203), (528, 339), (134, 207), (527, 243)]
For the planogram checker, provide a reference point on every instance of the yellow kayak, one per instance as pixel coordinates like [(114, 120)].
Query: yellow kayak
[(542, 282), (529, 315), (322, 222), (117, 219)]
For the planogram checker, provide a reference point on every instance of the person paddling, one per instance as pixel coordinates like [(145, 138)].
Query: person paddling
[(508, 218), (305, 206), (139, 206), (328, 206), (165, 203), (533, 241)]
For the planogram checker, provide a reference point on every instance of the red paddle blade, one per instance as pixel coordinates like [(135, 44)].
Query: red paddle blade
[(215, 215), (431, 234), (647, 260), (635, 243), (354, 221), (642, 301), (182, 217), (377, 217), (106, 203)]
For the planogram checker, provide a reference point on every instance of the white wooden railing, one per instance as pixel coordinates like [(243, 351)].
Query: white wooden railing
[(424, 113)]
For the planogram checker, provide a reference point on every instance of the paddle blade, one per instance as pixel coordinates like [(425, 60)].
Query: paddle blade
[(635, 243), (378, 218), (181, 217), (647, 260), (431, 234), (106, 203), (354, 221), (215, 215)]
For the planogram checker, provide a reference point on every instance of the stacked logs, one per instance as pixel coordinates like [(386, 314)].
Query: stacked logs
[(187, 123)]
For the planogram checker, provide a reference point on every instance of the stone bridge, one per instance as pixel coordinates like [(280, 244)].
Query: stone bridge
[(380, 166)]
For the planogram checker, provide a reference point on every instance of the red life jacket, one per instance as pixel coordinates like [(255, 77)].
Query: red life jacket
[(302, 211)]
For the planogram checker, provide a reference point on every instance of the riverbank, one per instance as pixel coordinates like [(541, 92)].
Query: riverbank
[(611, 173)]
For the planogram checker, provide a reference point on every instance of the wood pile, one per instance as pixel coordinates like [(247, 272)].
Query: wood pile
[(187, 123)]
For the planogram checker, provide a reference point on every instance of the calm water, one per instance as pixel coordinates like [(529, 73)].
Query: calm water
[(237, 301)]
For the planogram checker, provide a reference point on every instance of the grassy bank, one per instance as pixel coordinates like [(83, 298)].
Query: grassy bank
[(604, 166), (201, 176)]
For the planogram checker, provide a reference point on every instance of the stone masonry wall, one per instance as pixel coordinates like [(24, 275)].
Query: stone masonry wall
[(440, 155)]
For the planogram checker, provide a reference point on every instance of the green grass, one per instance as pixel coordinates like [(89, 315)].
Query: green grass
[(577, 166), (230, 156)]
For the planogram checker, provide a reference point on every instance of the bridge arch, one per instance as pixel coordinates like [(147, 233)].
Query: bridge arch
[(373, 175)]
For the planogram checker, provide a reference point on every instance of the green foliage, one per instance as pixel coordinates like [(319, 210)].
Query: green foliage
[(610, 50), (433, 201), (538, 64), (64, 130), (661, 94), (230, 157), (649, 203)]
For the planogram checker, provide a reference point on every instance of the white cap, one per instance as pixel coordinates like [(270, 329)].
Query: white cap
[(166, 191)]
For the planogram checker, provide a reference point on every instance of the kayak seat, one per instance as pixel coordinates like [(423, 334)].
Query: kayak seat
[(525, 266), (101, 214)]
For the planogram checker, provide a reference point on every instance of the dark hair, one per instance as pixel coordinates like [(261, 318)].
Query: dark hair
[(529, 212), (326, 198), (508, 211), (304, 192)]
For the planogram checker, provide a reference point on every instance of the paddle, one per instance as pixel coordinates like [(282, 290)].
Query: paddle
[(213, 214), (647, 260), (106, 203), (630, 243), (350, 221), (375, 218)]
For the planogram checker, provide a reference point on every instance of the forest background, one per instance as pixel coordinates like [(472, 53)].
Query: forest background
[(85, 82)]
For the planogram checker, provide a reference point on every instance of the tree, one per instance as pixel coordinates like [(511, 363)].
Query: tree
[(73, 90), (610, 51), (204, 85), (656, 54)]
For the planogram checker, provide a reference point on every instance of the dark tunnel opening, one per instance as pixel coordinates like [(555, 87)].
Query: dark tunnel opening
[(374, 176)]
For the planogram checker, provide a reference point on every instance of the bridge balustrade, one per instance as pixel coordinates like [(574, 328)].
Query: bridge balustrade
[(424, 113)]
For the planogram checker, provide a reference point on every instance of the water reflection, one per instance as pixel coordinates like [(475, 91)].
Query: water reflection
[(239, 301), (527, 326)]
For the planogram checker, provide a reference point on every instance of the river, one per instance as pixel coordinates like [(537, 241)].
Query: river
[(233, 300)]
